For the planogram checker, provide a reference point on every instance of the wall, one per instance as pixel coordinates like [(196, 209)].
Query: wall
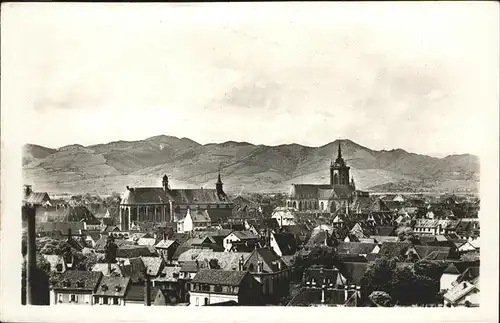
[(213, 298), (83, 299)]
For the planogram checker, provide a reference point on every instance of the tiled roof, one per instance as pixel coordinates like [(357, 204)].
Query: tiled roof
[(153, 265), (245, 235), (36, 198), (132, 251), (286, 243), (155, 195), (193, 266), (306, 191), (382, 239), (438, 252), (146, 241), (167, 274), (226, 260), (134, 269), (164, 244), (113, 286), (135, 293), (385, 231), (219, 277), (103, 268), (60, 226), (356, 248), (268, 257), (199, 216), (71, 280)]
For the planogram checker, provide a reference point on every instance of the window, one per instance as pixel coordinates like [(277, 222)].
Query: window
[(218, 289), (59, 268), (207, 301), (73, 298), (59, 298), (115, 301), (197, 302), (105, 300), (87, 299)]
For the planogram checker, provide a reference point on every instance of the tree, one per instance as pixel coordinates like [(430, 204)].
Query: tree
[(378, 276), (89, 261), (430, 268)]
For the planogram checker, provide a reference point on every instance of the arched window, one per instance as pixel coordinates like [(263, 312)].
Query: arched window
[(315, 205), (335, 179), (332, 207), (300, 206), (322, 206), (294, 204)]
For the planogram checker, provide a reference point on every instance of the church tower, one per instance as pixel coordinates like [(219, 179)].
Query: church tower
[(218, 186), (339, 171)]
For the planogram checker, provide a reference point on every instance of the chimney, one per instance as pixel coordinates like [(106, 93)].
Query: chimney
[(147, 290)]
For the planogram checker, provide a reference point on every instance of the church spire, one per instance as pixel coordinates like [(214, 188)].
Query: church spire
[(339, 154), (218, 185)]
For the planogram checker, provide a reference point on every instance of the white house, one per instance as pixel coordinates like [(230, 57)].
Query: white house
[(284, 216), (196, 220), (237, 236)]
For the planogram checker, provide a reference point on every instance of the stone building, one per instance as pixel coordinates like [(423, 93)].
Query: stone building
[(339, 194), (164, 204)]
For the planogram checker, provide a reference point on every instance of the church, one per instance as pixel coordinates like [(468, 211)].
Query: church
[(159, 205), (338, 195)]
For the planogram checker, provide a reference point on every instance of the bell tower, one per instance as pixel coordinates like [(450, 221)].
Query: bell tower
[(339, 171), (218, 185)]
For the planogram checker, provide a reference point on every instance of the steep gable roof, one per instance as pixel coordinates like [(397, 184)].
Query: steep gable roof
[(71, 280), (219, 277), (356, 247), (113, 286), (153, 265), (286, 242)]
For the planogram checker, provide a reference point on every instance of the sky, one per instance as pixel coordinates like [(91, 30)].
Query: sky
[(418, 76)]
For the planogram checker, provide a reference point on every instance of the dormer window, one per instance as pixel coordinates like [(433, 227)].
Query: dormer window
[(104, 287), (66, 283), (79, 284), (118, 288)]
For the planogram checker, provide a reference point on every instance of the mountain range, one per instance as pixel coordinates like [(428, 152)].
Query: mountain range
[(244, 167)]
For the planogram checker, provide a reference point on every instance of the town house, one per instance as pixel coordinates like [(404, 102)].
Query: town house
[(75, 287), (212, 286)]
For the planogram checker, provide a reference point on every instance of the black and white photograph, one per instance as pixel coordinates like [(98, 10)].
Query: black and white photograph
[(174, 156)]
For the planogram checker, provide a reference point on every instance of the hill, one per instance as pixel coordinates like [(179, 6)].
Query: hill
[(110, 167)]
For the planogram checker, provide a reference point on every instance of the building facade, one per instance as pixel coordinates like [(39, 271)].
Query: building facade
[(337, 195), (163, 204)]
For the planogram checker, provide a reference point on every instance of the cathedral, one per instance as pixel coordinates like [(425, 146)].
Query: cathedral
[(338, 195), (159, 205)]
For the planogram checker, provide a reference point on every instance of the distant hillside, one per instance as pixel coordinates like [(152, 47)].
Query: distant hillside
[(110, 167)]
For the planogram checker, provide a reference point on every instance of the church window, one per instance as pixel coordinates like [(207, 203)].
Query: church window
[(294, 204), (300, 206), (322, 206)]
